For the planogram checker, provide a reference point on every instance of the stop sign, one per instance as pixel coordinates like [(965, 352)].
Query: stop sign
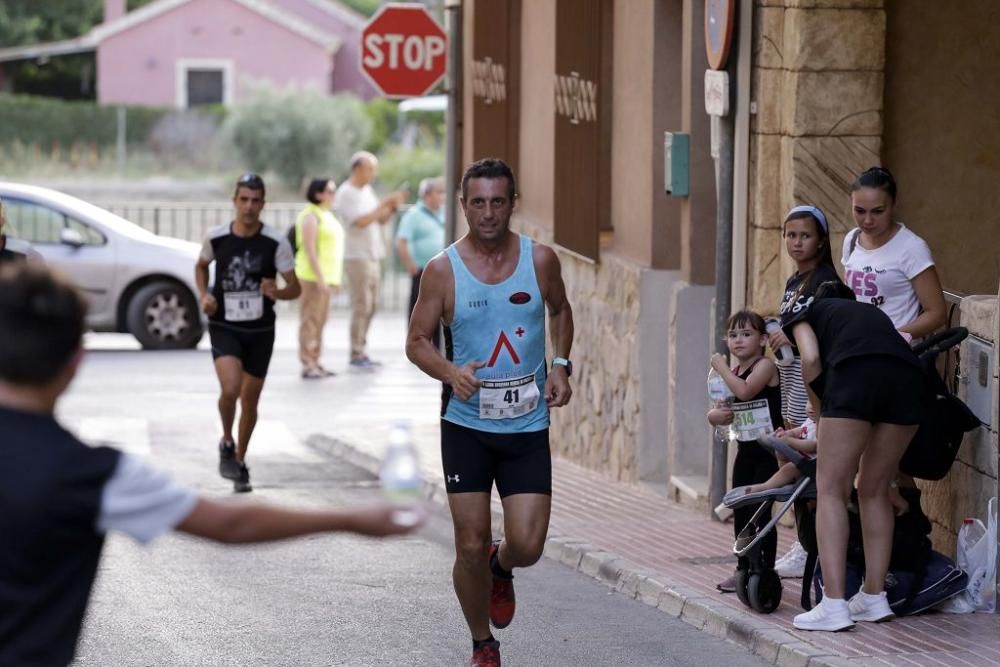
[(403, 50)]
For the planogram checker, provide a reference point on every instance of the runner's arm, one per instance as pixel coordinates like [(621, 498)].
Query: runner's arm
[(547, 267), (205, 298), (292, 288), (435, 283), (554, 292)]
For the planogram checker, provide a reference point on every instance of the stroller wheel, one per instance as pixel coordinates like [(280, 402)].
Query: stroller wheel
[(764, 591), (742, 579)]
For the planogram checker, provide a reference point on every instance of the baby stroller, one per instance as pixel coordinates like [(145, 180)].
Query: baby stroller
[(929, 456)]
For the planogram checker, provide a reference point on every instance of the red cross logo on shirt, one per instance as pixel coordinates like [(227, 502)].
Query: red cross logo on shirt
[(503, 342)]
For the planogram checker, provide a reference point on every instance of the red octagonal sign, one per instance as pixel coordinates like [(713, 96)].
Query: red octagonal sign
[(403, 50)]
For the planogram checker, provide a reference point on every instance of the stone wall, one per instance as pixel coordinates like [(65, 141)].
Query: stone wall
[(816, 122), (973, 478), (601, 427)]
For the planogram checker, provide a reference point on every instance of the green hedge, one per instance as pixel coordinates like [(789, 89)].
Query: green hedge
[(47, 121)]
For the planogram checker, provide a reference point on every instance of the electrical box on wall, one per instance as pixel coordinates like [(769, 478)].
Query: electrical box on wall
[(676, 159), (978, 354)]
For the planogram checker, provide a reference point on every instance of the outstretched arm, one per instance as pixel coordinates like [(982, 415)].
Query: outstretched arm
[(241, 524)]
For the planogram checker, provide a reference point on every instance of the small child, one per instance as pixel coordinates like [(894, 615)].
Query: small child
[(756, 410), (802, 440)]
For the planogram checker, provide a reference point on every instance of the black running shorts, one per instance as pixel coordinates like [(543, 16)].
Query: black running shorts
[(877, 389), (252, 348), (473, 460)]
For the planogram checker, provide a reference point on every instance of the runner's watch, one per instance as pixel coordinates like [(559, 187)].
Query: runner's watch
[(565, 363)]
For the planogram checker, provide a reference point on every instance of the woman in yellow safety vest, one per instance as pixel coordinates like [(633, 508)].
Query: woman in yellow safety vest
[(319, 266)]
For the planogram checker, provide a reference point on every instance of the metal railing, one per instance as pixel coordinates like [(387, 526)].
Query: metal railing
[(191, 221)]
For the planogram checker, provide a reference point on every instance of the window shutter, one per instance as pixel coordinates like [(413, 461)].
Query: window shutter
[(583, 124), (495, 80)]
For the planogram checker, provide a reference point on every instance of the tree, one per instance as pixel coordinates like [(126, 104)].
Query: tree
[(295, 134)]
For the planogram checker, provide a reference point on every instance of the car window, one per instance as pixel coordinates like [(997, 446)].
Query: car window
[(32, 222), (90, 235)]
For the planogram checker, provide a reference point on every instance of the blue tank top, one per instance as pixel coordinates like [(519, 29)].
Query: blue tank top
[(502, 325)]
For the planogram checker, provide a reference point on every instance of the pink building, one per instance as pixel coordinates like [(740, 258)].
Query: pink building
[(188, 52)]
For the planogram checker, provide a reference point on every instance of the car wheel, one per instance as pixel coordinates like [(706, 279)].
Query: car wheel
[(164, 316)]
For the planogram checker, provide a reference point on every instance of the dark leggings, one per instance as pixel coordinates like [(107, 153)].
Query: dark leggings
[(754, 465)]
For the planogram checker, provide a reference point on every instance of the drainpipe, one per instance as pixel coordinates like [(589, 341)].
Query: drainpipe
[(723, 150), (453, 122)]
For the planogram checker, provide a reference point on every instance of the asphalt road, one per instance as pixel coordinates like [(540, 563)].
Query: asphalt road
[(326, 600)]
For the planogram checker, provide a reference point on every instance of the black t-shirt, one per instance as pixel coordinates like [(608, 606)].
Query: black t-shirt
[(240, 265), (793, 301), (50, 499), (847, 329)]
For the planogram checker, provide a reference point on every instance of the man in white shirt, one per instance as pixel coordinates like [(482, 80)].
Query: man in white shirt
[(363, 214)]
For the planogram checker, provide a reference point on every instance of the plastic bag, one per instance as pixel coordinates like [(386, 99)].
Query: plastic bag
[(977, 545)]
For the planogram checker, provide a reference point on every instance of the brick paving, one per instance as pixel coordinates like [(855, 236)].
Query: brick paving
[(667, 555)]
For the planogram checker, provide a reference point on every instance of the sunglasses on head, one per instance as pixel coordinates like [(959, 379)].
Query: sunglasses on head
[(250, 179)]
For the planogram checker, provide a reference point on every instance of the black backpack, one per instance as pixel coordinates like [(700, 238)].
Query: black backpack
[(911, 545), (946, 420)]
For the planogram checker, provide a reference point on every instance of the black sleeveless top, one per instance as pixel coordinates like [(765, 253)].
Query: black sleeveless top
[(771, 394)]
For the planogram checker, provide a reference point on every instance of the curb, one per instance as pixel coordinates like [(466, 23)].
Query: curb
[(761, 638)]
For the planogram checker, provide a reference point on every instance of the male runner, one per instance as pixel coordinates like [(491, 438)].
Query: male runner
[(248, 255), (488, 289), (58, 496)]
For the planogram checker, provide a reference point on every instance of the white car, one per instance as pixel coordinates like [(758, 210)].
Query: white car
[(134, 280)]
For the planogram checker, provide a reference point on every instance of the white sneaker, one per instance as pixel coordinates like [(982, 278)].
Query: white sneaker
[(830, 615), (793, 564), (871, 608)]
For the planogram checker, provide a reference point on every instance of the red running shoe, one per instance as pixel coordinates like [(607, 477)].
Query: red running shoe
[(487, 655), (502, 602)]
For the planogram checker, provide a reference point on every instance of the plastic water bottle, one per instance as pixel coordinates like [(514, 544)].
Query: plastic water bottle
[(721, 396), (784, 356), (400, 476)]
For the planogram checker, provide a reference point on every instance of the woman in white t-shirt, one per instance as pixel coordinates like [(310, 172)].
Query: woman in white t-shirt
[(886, 264)]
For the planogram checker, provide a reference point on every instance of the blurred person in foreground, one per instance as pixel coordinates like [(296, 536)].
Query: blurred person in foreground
[(59, 497), (363, 213), (421, 236)]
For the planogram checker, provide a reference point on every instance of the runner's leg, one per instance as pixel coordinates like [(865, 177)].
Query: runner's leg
[(249, 397), (230, 372), (470, 513), (526, 525)]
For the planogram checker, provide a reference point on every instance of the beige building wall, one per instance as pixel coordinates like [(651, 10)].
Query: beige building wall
[(942, 143), (942, 133), (817, 89)]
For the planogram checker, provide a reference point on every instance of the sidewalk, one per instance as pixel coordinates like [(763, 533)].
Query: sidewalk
[(646, 546)]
